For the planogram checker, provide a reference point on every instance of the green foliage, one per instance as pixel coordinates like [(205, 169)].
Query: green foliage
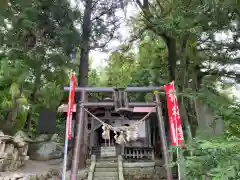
[(216, 159), (38, 39), (50, 95), (192, 27), (15, 101), (147, 66), (61, 124)]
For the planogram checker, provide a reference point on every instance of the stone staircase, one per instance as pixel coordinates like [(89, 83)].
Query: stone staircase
[(106, 169), (102, 152), (105, 164)]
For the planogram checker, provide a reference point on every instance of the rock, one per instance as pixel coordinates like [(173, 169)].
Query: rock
[(29, 176), (22, 135), (48, 174), (45, 151), (32, 177), (41, 177), (55, 138), (25, 178), (9, 148), (54, 178), (23, 150), (2, 148), (1, 133), (2, 164), (13, 152), (42, 138), (6, 138), (82, 174)]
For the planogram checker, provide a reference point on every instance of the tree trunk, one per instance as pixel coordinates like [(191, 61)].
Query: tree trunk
[(172, 57), (28, 125), (183, 78), (207, 125), (83, 71), (84, 53)]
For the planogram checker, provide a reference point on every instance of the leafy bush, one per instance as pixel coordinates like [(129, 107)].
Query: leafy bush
[(217, 159)]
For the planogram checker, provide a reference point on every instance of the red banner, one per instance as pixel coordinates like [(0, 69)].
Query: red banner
[(173, 115), (71, 105)]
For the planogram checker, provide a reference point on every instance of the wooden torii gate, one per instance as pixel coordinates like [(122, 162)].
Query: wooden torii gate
[(121, 103)]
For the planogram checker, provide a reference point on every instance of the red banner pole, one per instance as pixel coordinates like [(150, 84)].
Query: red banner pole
[(174, 121), (68, 134), (71, 106), (173, 115)]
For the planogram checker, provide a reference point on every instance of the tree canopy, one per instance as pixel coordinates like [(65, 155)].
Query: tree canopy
[(172, 40)]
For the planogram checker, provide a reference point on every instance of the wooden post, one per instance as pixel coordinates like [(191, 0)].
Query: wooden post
[(149, 133), (122, 145), (163, 138), (154, 136), (79, 140), (92, 133)]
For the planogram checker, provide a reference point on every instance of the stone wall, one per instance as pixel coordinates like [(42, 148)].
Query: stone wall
[(46, 147), (13, 152), (144, 171), (139, 171)]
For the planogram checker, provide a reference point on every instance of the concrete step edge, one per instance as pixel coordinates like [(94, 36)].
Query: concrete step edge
[(105, 178), (106, 166), (105, 175), (106, 169)]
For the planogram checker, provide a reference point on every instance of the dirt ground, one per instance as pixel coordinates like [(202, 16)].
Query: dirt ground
[(37, 168)]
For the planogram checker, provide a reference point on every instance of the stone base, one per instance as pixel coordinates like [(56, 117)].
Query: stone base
[(139, 173), (143, 171)]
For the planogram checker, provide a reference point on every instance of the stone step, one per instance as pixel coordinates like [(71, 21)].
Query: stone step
[(105, 174), (105, 178), (106, 165), (105, 147), (108, 159), (106, 155), (98, 151), (105, 151), (102, 169)]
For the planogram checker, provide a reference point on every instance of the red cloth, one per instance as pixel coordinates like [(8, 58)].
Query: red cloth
[(173, 115), (71, 105)]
